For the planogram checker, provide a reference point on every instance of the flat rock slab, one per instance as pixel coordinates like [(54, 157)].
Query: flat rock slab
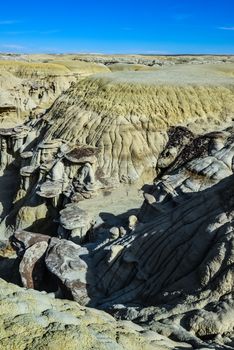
[(50, 189), (66, 260), (27, 239), (73, 217)]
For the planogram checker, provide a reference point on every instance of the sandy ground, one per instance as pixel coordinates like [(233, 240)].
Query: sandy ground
[(114, 206), (215, 74)]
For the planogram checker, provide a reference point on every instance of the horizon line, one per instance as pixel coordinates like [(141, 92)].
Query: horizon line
[(116, 53)]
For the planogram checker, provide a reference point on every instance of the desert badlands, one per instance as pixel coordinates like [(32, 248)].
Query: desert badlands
[(116, 202)]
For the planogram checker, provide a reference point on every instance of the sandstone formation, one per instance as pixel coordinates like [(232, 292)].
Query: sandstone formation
[(152, 60), (127, 114), (27, 87), (157, 272), (34, 320)]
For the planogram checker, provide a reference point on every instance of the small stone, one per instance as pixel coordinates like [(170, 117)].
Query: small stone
[(132, 222), (114, 233), (150, 199)]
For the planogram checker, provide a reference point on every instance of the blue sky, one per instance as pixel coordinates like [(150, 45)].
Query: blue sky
[(159, 27)]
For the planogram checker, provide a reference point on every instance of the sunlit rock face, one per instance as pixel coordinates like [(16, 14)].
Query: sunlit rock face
[(32, 87), (70, 224), (47, 323), (29, 88), (158, 271), (187, 165), (127, 115), (53, 176)]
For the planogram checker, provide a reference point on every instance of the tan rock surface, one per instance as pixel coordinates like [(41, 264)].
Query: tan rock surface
[(27, 86), (127, 114), (36, 321)]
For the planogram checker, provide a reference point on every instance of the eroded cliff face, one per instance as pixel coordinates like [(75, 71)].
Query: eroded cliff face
[(170, 267), (165, 264), (29, 88), (32, 87), (128, 114)]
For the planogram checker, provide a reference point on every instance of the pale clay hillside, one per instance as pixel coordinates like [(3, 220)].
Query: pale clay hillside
[(127, 114)]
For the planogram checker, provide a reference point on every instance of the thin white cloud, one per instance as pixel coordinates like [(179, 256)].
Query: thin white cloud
[(12, 46), (226, 28), (22, 32), (18, 32), (8, 21)]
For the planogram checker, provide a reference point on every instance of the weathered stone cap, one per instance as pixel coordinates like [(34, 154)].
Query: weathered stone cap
[(50, 189), (73, 217), (56, 143), (26, 155), (83, 154), (27, 170), (27, 239), (20, 133), (6, 132)]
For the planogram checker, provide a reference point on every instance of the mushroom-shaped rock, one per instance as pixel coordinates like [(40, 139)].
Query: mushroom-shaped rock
[(85, 179), (75, 220), (6, 132), (27, 170), (27, 174), (48, 150), (57, 172), (26, 155), (50, 189), (83, 154), (19, 136)]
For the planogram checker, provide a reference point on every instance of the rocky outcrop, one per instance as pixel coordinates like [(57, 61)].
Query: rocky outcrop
[(153, 60), (133, 257), (164, 270), (52, 177), (127, 115), (188, 165), (27, 87), (34, 320), (159, 274)]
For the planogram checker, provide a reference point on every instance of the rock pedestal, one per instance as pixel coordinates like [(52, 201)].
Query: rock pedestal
[(75, 221)]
